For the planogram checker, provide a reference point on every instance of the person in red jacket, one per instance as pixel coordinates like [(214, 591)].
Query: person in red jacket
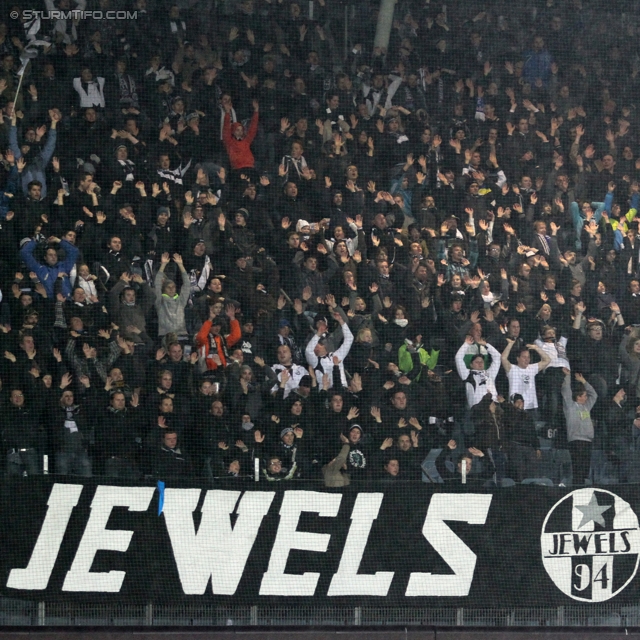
[(237, 144), (212, 344)]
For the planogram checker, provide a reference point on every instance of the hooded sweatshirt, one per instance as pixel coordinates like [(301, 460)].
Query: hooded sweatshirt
[(578, 416), (171, 310)]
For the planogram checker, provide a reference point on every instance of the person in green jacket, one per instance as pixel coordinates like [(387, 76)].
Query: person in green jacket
[(411, 350)]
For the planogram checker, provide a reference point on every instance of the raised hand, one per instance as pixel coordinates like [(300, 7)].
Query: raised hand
[(386, 443), (66, 378), (354, 412)]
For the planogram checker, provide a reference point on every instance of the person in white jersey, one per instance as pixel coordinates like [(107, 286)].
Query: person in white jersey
[(522, 375)]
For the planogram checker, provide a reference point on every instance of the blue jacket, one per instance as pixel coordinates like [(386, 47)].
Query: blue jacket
[(48, 275), (35, 169), (537, 64)]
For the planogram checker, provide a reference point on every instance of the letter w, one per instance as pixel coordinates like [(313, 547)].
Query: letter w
[(581, 542), (216, 551)]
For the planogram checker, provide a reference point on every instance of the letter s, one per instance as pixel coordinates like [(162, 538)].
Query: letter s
[(470, 507)]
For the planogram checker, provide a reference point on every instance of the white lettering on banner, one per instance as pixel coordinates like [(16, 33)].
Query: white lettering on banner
[(347, 582), (216, 551), (275, 582), (219, 553), (62, 500), (96, 537), (470, 507)]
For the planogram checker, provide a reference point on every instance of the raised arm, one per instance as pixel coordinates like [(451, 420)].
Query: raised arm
[(13, 141), (185, 290), (52, 137), (345, 347), (311, 357), (160, 276), (566, 386), (592, 396), (26, 253), (545, 359), (71, 256), (495, 361), (463, 371), (253, 125), (504, 359)]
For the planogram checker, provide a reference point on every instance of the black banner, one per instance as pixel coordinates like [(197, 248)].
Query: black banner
[(401, 544)]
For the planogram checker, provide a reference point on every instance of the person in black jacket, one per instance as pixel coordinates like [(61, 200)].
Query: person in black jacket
[(118, 439), (623, 431), (71, 432), (22, 436), (291, 452), (407, 452), (169, 461), (522, 446), (594, 352), (491, 434)]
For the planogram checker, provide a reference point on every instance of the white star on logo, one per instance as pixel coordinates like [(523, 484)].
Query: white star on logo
[(592, 512)]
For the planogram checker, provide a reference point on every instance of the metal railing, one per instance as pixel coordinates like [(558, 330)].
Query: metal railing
[(27, 613)]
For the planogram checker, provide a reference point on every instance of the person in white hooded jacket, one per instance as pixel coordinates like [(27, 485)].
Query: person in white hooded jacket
[(478, 380), (323, 361)]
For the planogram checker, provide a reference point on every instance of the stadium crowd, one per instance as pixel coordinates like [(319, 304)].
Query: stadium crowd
[(222, 241)]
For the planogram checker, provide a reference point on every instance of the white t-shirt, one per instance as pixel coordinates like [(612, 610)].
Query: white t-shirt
[(557, 351), (523, 381)]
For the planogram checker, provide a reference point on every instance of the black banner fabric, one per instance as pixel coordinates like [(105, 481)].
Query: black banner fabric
[(240, 543)]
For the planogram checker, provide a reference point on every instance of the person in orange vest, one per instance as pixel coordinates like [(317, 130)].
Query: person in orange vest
[(213, 345), (237, 142)]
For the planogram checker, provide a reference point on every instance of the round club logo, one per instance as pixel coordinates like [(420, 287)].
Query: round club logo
[(590, 544)]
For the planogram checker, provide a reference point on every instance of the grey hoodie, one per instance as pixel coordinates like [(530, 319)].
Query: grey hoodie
[(578, 416), (171, 310)]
